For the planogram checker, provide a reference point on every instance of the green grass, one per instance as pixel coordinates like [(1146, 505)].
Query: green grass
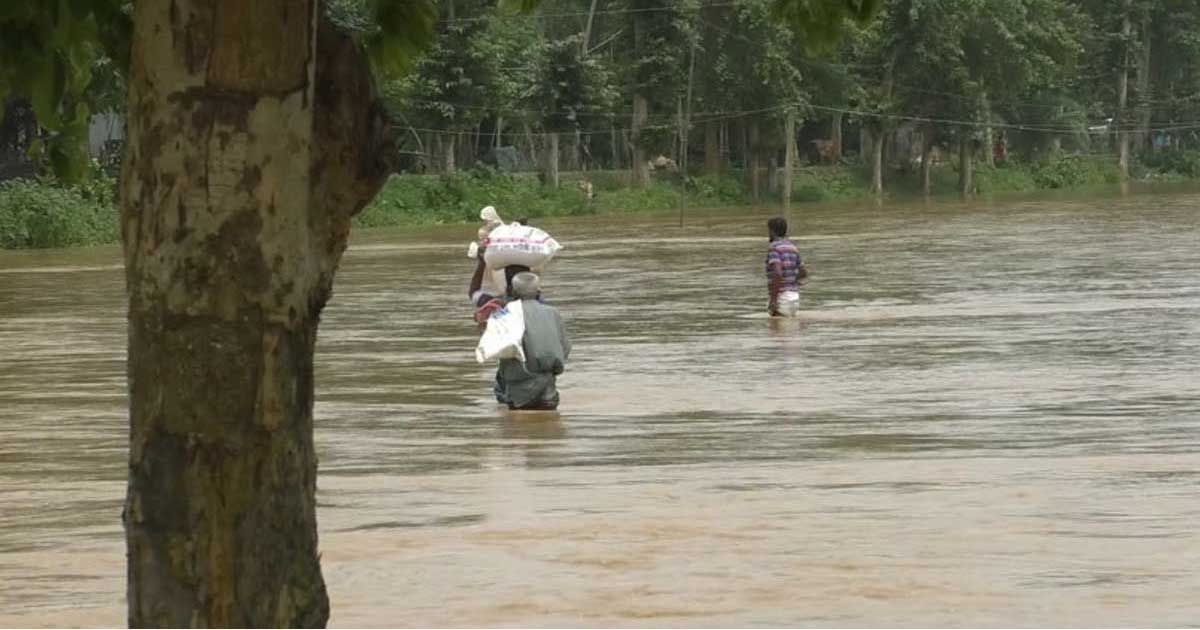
[(439, 199)]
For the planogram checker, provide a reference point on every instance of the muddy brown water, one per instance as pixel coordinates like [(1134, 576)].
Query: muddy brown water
[(988, 414)]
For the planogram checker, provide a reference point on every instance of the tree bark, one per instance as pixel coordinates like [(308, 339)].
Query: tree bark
[(927, 141), (551, 160), (641, 113), (585, 41), (876, 144), (755, 165), (1144, 97), (789, 161), (1123, 95), (880, 133), (835, 136), (712, 148), (989, 153), (430, 154), (723, 145), (577, 151), (448, 145), (966, 167), (616, 146), (249, 150), (533, 147)]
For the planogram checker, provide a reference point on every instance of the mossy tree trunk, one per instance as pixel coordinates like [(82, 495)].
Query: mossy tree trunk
[(835, 136), (789, 160), (641, 169), (249, 149), (755, 158), (551, 160), (712, 149), (966, 166), (876, 139), (1123, 117), (928, 138)]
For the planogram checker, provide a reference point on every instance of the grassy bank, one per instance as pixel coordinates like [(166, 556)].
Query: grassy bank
[(42, 213), (438, 199), (423, 200)]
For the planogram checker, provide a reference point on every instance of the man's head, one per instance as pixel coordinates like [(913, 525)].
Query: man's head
[(511, 272), (526, 286), (777, 227)]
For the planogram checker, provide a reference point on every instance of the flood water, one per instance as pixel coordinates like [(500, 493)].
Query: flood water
[(988, 415)]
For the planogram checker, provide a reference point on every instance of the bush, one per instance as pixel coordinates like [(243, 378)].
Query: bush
[(36, 213), (719, 189), (1008, 177), (1075, 171), (816, 184), (457, 198), (1184, 162), (437, 199)]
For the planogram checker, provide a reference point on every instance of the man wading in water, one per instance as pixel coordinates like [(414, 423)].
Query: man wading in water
[(533, 384), (785, 270)]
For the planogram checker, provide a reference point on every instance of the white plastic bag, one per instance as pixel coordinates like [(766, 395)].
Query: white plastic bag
[(516, 244), (788, 304), (491, 219), (503, 337)]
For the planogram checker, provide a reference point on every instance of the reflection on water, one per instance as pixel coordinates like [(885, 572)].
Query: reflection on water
[(986, 415)]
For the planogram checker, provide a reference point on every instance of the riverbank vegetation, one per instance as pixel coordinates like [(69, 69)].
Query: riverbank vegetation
[(588, 107)]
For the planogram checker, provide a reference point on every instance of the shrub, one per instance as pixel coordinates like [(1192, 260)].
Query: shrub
[(1009, 177), (1075, 171), (35, 213), (1184, 162)]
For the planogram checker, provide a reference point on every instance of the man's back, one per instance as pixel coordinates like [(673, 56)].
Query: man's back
[(783, 252), (546, 350), (546, 343)]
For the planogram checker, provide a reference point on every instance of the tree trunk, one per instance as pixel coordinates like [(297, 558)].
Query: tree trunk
[(989, 153), (533, 147), (927, 139), (876, 144), (835, 136), (712, 149), (499, 132), (552, 160), (755, 167), (966, 167), (585, 41), (679, 130), (616, 147), (1123, 118), (430, 152), (1142, 139), (641, 170), (773, 184), (723, 142), (249, 150), (577, 151), (789, 161), (448, 145)]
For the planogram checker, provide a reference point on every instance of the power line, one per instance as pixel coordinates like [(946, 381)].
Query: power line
[(704, 118)]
